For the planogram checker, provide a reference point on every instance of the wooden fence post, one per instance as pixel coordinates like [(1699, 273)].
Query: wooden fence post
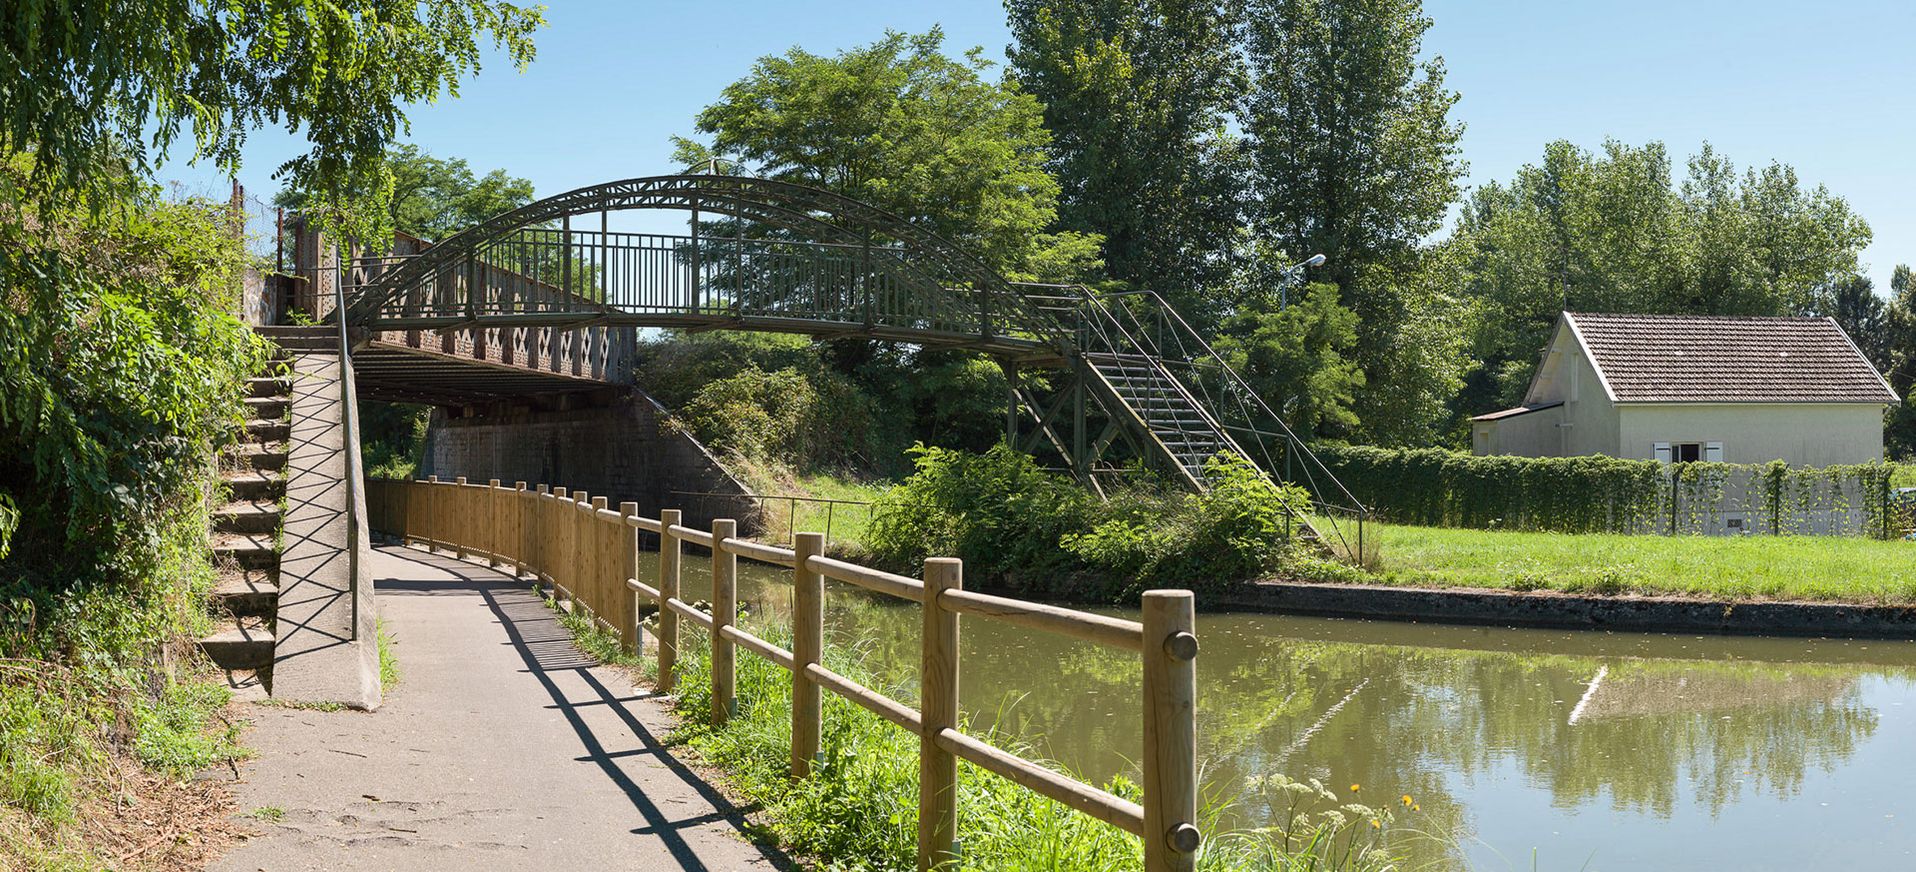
[(1170, 731), (558, 526), (517, 525), (724, 613), (668, 590), (460, 523), (599, 560), (808, 642), (493, 515), (628, 567), (433, 504), (938, 700)]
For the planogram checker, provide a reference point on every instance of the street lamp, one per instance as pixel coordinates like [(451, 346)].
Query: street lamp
[(1284, 278)]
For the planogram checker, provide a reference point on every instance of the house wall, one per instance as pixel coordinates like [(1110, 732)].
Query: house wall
[(1532, 435), (1804, 434)]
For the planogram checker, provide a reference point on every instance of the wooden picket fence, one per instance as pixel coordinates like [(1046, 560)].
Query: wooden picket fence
[(588, 553)]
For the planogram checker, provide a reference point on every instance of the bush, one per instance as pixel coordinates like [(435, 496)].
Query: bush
[(1433, 487), (1018, 526), (122, 366)]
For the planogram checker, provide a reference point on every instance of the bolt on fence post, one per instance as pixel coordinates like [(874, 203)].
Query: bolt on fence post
[(724, 613), (1170, 731), (808, 642), (668, 590), (938, 700)]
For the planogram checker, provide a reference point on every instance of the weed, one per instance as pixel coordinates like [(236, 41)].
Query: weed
[(268, 813), (388, 658)]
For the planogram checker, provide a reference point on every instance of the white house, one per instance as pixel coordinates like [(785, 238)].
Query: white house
[(1686, 388)]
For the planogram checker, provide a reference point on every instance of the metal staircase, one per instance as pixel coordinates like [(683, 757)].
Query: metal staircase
[(1176, 403)]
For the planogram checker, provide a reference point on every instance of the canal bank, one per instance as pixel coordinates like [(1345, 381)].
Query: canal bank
[(1560, 610)]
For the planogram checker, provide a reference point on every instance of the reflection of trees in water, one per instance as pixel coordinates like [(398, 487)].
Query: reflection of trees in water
[(1728, 727)]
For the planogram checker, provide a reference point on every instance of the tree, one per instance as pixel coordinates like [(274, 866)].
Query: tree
[(1863, 315), (1899, 434), (434, 198), (902, 126), (1137, 97), (100, 88), (1612, 231), (1294, 358), (1354, 155)]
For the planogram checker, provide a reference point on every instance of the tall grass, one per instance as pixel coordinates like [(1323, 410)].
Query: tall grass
[(859, 808)]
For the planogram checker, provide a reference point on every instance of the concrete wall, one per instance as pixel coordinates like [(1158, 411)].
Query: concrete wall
[(1535, 434), (617, 449), (1803, 434)]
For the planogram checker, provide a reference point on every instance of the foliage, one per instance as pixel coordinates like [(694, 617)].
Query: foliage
[(121, 371), (1615, 232), (902, 126), (1018, 526), (433, 197), (1296, 358), (1355, 156), (99, 88), (392, 438), (1137, 97), (942, 397), (1438, 488)]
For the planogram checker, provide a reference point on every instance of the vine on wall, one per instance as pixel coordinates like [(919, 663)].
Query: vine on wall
[(1595, 494)]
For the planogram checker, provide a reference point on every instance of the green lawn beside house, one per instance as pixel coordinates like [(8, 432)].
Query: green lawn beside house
[(1748, 567)]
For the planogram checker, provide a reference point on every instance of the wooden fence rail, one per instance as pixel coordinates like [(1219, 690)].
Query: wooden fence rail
[(588, 554)]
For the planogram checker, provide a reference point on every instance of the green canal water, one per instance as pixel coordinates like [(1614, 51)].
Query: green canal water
[(1523, 749)]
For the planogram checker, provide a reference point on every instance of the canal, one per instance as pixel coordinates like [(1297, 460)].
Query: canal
[(1520, 748)]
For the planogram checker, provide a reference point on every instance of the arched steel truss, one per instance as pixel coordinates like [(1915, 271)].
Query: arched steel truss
[(838, 266)]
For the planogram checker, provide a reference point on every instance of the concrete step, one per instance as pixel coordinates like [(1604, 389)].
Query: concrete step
[(250, 685), (269, 430), (269, 386), (246, 592), (247, 516), (245, 550), (255, 456), (268, 407), (301, 338), (245, 643), (253, 484)]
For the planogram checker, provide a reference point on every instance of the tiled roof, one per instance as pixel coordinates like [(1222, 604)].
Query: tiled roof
[(1708, 359)]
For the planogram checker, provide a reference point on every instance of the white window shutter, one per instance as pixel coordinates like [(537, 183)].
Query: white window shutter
[(1713, 452), (1662, 451)]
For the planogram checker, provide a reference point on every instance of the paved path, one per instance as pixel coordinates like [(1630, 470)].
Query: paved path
[(501, 748)]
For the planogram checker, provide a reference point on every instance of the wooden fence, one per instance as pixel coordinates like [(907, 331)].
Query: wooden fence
[(589, 554)]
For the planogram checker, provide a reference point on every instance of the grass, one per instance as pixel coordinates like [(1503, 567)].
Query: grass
[(1817, 568), (844, 524), (268, 813), (388, 658)]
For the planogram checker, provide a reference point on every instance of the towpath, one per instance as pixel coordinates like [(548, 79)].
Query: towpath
[(502, 747)]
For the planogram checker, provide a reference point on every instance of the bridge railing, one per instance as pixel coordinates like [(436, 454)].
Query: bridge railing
[(589, 555)]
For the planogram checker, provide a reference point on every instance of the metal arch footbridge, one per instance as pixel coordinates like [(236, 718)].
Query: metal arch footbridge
[(550, 291)]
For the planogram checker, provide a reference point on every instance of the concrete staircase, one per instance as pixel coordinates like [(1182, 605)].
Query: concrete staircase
[(245, 533)]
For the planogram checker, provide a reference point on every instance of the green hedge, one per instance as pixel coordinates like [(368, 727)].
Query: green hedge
[(1438, 488)]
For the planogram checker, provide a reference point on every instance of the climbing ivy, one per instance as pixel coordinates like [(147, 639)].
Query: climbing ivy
[(1438, 488)]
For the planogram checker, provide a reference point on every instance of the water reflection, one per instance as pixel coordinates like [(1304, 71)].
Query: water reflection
[(1597, 751)]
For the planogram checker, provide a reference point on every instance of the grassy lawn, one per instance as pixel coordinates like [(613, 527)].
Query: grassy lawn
[(1751, 567)]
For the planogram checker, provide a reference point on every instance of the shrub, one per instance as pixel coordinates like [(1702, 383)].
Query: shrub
[(1434, 487), (1021, 527)]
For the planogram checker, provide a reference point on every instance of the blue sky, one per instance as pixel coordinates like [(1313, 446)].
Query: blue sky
[(1829, 89)]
